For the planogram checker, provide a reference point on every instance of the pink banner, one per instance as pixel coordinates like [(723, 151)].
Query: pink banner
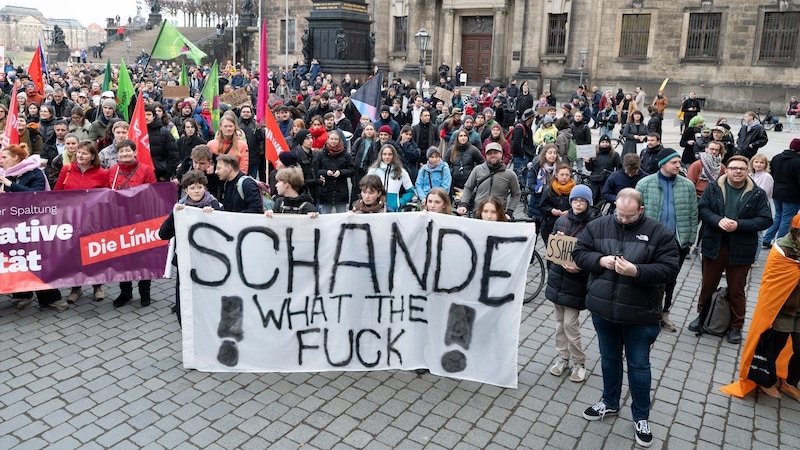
[(73, 238)]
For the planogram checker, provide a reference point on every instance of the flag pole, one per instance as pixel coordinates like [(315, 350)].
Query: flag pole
[(150, 55)]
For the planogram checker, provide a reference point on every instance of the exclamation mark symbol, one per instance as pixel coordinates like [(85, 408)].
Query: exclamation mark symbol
[(230, 326), (459, 331)]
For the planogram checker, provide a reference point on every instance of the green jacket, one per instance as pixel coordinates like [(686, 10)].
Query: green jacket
[(685, 205)]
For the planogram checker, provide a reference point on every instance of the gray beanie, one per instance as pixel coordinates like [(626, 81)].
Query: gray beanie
[(110, 103), (433, 150)]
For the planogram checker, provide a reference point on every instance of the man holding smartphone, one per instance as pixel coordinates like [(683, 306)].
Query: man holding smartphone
[(630, 258)]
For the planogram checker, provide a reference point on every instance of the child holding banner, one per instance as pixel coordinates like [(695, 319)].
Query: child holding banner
[(372, 198), (290, 198), (566, 288), (194, 184)]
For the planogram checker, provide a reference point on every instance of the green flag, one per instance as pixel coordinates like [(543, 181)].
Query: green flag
[(125, 91), (170, 44), (184, 76), (107, 77), (211, 94)]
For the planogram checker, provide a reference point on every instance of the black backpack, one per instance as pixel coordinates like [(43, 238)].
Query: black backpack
[(715, 319)]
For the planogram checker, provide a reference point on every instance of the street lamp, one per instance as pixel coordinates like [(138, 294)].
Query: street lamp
[(583, 62), (128, 47), (422, 39)]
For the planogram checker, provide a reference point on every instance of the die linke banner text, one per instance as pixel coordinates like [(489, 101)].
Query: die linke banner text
[(352, 292), (73, 238)]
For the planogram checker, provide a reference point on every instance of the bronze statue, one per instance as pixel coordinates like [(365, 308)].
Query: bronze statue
[(58, 36), (306, 39), (341, 44), (247, 7)]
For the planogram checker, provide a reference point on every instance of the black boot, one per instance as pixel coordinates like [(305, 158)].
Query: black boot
[(125, 294), (144, 292)]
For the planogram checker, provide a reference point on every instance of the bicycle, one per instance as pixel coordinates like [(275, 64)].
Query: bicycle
[(536, 276), (617, 141), (768, 122)]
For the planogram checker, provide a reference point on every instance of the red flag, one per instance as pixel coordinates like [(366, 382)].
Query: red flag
[(273, 138), (11, 136), (263, 92), (35, 70), (138, 133)]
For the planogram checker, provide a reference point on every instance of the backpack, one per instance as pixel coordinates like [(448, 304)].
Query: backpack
[(263, 189), (572, 151), (293, 209), (715, 319), (510, 133)]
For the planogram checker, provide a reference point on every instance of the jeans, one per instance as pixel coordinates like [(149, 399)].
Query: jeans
[(327, 208), (790, 124), (784, 211), (635, 340), (605, 131), (669, 289)]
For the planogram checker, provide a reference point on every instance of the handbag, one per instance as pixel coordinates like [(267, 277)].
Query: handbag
[(762, 367)]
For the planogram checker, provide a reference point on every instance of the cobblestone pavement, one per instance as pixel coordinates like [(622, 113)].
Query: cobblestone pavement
[(99, 377)]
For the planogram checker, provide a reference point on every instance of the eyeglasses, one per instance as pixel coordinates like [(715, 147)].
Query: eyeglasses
[(737, 169), (579, 200), (627, 218)]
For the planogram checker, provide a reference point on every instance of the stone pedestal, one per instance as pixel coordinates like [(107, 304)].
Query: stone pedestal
[(154, 19), (58, 52), (247, 20), (340, 37)]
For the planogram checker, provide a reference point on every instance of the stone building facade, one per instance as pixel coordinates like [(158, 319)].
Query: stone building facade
[(21, 29), (736, 54)]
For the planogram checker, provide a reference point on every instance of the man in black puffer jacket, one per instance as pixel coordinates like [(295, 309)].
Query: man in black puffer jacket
[(630, 258)]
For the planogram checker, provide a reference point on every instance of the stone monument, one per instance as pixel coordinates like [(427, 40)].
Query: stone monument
[(247, 18), (58, 49), (339, 37), (155, 18)]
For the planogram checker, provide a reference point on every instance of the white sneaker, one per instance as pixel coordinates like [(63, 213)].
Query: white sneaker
[(578, 374), (558, 367), (24, 302)]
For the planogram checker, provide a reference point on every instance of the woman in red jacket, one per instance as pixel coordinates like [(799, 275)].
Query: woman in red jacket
[(84, 173), (128, 172)]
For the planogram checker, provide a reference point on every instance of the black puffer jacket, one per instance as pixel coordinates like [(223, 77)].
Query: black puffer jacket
[(647, 244), (785, 169), (333, 189), (567, 288), (163, 150)]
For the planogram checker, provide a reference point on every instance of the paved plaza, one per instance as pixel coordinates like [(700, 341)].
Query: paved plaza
[(96, 376)]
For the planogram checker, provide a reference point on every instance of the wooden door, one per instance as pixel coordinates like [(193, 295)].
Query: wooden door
[(476, 57)]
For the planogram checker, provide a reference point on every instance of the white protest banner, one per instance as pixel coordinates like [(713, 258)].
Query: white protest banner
[(585, 151), (352, 292)]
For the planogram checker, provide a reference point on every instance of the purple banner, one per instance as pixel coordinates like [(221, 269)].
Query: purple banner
[(73, 238)]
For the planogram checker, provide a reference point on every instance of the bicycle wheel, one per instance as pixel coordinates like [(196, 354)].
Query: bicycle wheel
[(534, 283), (616, 142)]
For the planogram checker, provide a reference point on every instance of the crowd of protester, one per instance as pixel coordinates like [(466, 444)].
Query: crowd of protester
[(470, 153)]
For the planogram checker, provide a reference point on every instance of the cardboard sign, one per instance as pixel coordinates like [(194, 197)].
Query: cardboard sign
[(559, 249), (443, 95), (236, 98), (175, 92), (585, 151)]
